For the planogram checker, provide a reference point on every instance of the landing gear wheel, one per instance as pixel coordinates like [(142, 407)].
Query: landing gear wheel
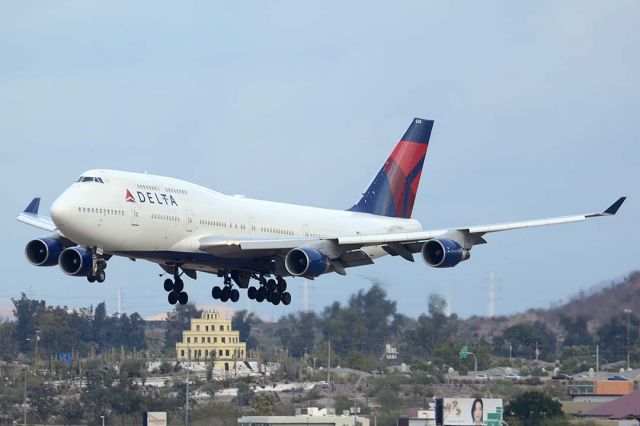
[(216, 292), (91, 278), (268, 296), (261, 294), (235, 295), (178, 285), (173, 297), (225, 294), (168, 285), (286, 298), (252, 293), (281, 286), (275, 299), (183, 298), (101, 276), (271, 285)]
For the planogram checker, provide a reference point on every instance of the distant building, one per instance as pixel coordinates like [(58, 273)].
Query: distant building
[(305, 417), (211, 338)]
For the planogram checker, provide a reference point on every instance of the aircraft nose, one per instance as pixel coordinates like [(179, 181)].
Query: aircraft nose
[(60, 212)]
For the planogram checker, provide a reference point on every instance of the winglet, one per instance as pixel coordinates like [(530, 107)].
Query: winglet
[(613, 208), (33, 206)]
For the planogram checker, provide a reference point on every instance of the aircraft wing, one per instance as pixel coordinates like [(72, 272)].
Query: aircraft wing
[(31, 217), (347, 249)]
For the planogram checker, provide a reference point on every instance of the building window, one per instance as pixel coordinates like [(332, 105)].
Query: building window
[(208, 339), (222, 328), (197, 328), (227, 352), (220, 352), (206, 328), (188, 339), (222, 338), (215, 340), (182, 353)]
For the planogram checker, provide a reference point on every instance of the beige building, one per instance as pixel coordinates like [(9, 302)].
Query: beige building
[(212, 339)]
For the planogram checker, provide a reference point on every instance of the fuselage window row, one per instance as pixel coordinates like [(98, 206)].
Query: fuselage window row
[(112, 212)]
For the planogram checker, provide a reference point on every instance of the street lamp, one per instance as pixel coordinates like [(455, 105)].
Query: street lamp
[(628, 312)]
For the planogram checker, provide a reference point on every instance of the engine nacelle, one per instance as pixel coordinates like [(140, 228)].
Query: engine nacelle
[(43, 251), (443, 253), (76, 261), (306, 262)]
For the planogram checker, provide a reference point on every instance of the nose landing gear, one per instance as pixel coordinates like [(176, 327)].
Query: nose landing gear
[(98, 265)]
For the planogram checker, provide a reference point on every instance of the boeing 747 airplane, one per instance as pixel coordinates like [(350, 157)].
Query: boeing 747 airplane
[(186, 228)]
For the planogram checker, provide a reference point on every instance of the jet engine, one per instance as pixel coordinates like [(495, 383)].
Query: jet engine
[(306, 262), (76, 261), (43, 251), (443, 253)]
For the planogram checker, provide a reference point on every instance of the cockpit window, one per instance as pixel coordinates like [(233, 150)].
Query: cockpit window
[(90, 179)]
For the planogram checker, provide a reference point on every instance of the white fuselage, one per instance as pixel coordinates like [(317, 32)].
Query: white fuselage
[(133, 213)]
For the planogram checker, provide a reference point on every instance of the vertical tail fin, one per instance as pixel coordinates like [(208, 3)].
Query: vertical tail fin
[(393, 190)]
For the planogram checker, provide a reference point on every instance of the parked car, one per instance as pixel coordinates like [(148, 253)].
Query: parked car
[(562, 376), (481, 376), (512, 376), (618, 377)]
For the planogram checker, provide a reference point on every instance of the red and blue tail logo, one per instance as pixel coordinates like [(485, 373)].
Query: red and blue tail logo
[(393, 191)]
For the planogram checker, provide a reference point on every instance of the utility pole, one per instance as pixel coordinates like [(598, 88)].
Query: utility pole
[(329, 366), (628, 312), (186, 410), (24, 404), (35, 358), (597, 361)]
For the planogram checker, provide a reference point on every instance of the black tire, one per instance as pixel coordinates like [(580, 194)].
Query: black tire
[(216, 292), (271, 285), (183, 298), (235, 295), (252, 293), (286, 298), (178, 285), (101, 276), (275, 300), (225, 294), (91, 278), (261, 294), (281, 286), (168, 285), (268, 296), (172, 297)]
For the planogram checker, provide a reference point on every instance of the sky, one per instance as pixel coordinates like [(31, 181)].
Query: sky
[(536, 108)]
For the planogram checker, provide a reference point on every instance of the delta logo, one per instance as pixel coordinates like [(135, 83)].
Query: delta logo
[(151, 198)]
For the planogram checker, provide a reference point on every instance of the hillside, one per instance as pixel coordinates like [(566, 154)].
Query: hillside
[(597, 305)]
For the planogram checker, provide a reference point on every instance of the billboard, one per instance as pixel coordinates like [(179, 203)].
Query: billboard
[(155, 418), (472, 411)]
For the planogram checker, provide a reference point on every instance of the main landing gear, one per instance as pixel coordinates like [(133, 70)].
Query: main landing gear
[(273, 291), (227, 292), (98, 265), (175, 289)]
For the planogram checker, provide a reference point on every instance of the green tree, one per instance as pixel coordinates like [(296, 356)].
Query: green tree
[(365, 324), (244, 321), (523, 339), (533, 408), (177, 321), (576, 332), (27, 313)]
